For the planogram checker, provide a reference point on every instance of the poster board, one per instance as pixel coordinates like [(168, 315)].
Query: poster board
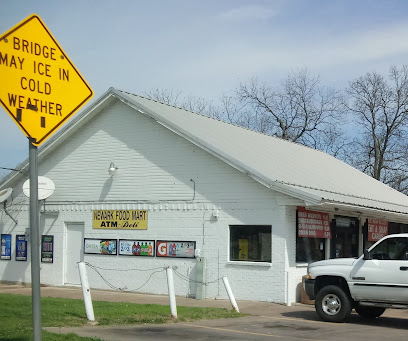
[(47, 249), (175, 248), (313, 224), (100, 246), (136, 247), (21, 248), (377, 229), (5, 247)]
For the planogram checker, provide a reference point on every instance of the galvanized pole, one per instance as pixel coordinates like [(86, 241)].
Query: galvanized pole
[(35, 242), (86, 292), (230, 294), (172, 296)]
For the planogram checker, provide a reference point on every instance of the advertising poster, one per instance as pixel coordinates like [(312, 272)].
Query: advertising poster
[(100, 246), (313, 224), (377, 228), (130, 247), (5, 247), (243, 249), (176, 249), (47, 249), (119, 219), (21, 248)]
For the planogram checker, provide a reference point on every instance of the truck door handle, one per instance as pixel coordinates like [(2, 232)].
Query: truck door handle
[(404, 268)]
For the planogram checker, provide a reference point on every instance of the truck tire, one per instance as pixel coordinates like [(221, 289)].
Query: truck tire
[(369, 312), (332, 304)]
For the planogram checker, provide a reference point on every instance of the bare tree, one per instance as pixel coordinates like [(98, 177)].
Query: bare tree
[(380, 107), (165, 96), (300, 110), (188, 102)]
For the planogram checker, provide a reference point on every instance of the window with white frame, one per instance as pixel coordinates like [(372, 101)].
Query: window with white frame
[(250, 243)]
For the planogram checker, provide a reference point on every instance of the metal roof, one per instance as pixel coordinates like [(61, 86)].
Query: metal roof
[(293, 169), (303, 172)]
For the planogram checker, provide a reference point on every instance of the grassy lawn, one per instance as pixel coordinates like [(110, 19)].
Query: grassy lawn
[(16, 318)]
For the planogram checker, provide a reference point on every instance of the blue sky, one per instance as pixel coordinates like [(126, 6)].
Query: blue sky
[(205, 48)]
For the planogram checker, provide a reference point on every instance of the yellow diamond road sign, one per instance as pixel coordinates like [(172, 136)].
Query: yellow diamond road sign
[(40, 88)]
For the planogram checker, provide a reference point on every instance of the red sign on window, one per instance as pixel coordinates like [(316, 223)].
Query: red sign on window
[(313, 224), (377, 228)]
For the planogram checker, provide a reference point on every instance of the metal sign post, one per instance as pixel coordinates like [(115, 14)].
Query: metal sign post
[(35, 242), (40, 90)]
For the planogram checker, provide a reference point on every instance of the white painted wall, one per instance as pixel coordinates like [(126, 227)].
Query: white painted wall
[(155, 168)]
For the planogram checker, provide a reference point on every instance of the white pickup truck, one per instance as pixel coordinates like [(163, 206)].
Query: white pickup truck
[(371, 283)]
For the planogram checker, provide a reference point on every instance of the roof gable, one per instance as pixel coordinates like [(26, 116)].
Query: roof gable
[(296, 170)]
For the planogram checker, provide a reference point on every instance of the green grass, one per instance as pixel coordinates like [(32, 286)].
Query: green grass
[(16, 316)]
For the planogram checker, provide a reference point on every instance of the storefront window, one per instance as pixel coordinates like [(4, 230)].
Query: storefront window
[(312, 229), (250, 243), (309, 249)]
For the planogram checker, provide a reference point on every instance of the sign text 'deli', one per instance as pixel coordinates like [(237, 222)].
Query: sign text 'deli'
[(40, 88)]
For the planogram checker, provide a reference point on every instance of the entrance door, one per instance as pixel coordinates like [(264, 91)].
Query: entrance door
[(74, 253), (344, 237)]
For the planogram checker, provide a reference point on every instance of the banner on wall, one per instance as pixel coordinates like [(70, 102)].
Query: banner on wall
[(119, 219), (47, 249), (100, 246), (313, 224), (130, 247), (377, 229), (21, 248), (5, 247), (176, 249)]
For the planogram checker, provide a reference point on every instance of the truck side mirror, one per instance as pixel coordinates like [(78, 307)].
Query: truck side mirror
[(367, 255)]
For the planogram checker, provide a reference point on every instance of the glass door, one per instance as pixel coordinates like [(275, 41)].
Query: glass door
[(344, 243)]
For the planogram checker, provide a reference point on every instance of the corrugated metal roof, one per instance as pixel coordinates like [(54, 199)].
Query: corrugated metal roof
[(299, 171), (292, 168)]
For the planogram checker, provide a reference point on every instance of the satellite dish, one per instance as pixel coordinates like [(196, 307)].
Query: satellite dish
[(5, 193), (45, 188)]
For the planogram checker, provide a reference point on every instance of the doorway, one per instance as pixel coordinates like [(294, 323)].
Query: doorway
[(74, 252), (345, 232)]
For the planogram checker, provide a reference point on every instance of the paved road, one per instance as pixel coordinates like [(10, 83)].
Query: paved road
[(267, 321), (293, 325)]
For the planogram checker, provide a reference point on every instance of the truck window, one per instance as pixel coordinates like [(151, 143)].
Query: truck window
[(391, 249)]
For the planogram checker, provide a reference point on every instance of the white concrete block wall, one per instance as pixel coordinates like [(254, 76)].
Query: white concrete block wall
[(155, 172)]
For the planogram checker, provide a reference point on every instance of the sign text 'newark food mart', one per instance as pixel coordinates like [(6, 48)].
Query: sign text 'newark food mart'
[(120, 219)]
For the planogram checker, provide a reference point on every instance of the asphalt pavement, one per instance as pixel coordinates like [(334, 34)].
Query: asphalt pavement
[(266, 321)]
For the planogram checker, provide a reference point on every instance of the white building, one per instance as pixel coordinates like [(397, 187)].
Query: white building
[(250, 207)]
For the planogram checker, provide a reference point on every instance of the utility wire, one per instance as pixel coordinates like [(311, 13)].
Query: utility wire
[(96, 269)]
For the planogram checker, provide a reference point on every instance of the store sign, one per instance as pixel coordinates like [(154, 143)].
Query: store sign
[(130, 247), (100, 246), (40, 87), (47, 249), (120, 219), (176, 249), (21, 248), (5, 247), (313, 224), (377, 229)]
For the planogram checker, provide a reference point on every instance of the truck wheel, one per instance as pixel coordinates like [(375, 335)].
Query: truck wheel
[(369, 312), (332, 304)]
